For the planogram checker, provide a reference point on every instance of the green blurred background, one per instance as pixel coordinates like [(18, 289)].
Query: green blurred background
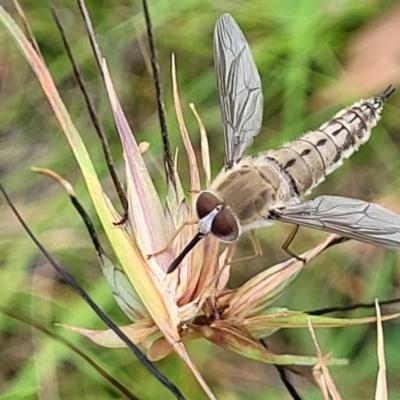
[(314, 57)]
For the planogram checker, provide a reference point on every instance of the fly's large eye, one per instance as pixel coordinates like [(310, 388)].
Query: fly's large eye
[(224, 226), (205, 203)]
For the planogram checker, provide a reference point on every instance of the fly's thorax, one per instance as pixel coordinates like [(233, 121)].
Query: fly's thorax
[(216, 218), (305, 162), (247, 191)]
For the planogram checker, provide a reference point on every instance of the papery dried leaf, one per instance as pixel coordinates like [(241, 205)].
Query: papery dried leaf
[(159, 349), (265, 287), (191, 309), (224, 271), (193, 169), (188, 276), (188, 280), (208, 286), (145, 210), (320, 381), (260, 326), (175, 198), (238, 340), (206, 279), (137, 333), (176, 210), (381, 392), (205, 149), (214, 277), (147, 281), (323, 365)]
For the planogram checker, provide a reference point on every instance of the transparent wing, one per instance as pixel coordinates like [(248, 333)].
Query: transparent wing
[(352, 218), (239, 88)]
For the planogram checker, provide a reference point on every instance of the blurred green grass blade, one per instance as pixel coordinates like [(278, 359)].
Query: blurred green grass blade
[(241, 342), (23, 393), (260, 326)]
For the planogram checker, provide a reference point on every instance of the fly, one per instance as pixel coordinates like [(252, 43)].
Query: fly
[(253, 192)]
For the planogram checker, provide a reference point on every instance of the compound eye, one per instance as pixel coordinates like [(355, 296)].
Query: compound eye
[(225, 227), (205, 203)]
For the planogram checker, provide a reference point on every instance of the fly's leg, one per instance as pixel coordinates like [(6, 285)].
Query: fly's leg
[(256, 247), (289, 241), (174, 236)]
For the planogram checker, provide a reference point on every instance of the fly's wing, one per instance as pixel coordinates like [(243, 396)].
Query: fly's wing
[(239, 88), (352, 218)]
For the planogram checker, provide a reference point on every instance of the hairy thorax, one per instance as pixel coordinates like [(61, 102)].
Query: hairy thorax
[(250, 189)]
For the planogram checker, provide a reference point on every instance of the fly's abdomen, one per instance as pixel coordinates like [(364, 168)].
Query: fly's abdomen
[(307, 161)]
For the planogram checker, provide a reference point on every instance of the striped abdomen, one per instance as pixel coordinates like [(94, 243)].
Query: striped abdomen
[(305, 162)]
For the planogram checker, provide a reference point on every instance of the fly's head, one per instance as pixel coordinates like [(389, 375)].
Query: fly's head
[(216, 218)]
